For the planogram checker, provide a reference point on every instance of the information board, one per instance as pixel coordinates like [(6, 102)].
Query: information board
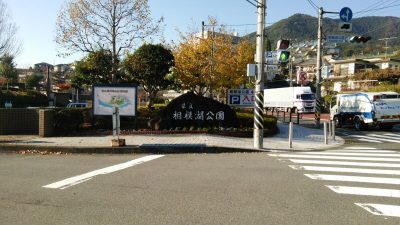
[(107, 97)]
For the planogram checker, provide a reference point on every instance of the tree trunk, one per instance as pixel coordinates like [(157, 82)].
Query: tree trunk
[(114, 48), (152, 96)]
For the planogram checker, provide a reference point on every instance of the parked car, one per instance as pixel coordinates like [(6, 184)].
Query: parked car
[(77, 105)]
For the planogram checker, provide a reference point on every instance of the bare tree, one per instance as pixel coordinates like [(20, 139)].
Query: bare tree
[(92, 25), (9, 43)]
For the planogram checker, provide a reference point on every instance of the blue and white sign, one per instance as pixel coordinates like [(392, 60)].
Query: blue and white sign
[(241, 97), (336, 38), (346, 14), (271, 57)]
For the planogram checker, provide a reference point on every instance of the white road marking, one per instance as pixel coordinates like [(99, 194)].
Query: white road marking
[(375, 138), (361, 148), (87, 176), (385, 136), (381, 209), (392, 134), (345, 163), (392, 193), (367, 140), (374, 180), (345, 170), (352, 154), (334, 157), (365, 151)]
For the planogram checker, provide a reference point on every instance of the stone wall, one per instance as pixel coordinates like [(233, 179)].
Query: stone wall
[(19, 121)]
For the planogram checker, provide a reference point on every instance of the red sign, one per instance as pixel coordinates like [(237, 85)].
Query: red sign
[(302, 78)]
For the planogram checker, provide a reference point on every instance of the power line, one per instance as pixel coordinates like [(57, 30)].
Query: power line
[(313, 4), (377, 3), (376, 9), (255, 3), (251, 3)]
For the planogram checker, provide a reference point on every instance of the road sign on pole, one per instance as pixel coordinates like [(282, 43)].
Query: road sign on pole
[(346, 14), (336, 38), (302, 78), (271, 57), (346, 27)]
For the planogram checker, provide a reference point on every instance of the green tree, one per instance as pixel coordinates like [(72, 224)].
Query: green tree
[(149, 66), (8, 70), (33, 80), (90, 25), (218, 61), (94, 69)]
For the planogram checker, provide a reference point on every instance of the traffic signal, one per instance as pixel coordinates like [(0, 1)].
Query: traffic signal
[(282, 44), (282, 51), (359, 39), (283, 56)]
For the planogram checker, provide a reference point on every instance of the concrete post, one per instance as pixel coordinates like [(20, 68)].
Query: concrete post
[(46, 121), (290, 134)]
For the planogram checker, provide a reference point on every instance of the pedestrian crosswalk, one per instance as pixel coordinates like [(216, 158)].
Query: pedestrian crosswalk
[(380, 137), (365, 172)]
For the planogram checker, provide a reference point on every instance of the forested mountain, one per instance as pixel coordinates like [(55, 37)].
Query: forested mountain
[(301, 27)]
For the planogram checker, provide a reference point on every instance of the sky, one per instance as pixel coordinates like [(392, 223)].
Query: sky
[(36, 19)]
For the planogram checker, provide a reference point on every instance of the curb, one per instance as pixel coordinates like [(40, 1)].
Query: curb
[(152, 149)]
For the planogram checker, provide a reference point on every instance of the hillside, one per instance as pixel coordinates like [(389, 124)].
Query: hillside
[(302, 27)]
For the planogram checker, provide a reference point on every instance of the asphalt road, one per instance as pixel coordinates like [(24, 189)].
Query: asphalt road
[(239, 188)]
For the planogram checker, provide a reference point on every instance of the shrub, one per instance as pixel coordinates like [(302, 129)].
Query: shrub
[(246, 120), (69, 119), (20, 99), (386, 87)]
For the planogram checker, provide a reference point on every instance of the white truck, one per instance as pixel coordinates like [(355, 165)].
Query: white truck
[(290, 99), (366, 108)]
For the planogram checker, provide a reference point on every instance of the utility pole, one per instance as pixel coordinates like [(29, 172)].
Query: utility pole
[(318, 75), (291, 65), (212, 52), (386, 44), (202, 29), (212, 61), (318, 98), (259, 84), (48, 82)]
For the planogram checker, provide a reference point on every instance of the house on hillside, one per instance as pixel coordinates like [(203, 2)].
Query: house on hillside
[(23, 74), (343, 70), (43, 67), (349, 67), (388, 63)]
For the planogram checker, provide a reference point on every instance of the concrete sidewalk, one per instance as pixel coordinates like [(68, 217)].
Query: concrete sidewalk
[(304, 139)]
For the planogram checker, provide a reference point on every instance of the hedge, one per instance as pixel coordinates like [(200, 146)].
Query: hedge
[(73, 120), (20, 99)]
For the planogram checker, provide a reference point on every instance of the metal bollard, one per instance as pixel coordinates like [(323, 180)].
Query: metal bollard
[(333, 131), (290, 134), (330, 128), (298, 118), (326, 132)]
